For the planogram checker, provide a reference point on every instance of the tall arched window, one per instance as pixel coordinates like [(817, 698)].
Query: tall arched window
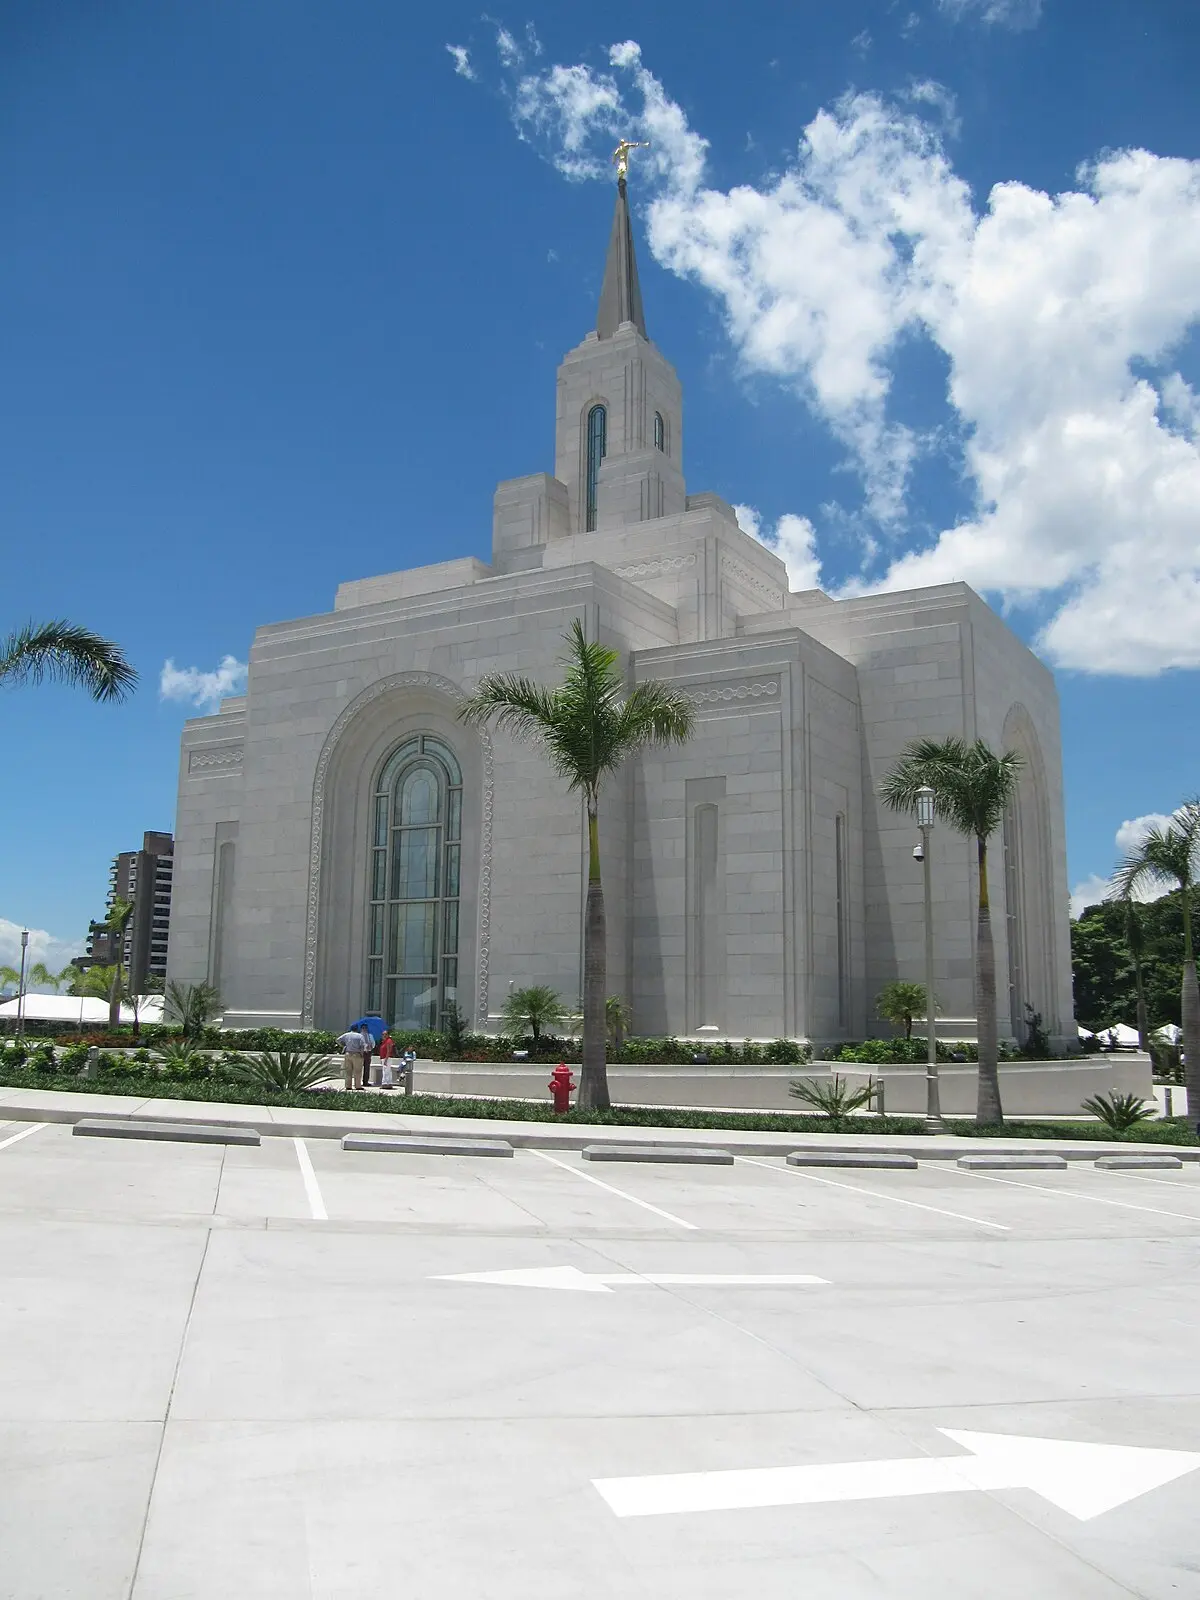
[(416, 849), (597, 445), (660, 431)]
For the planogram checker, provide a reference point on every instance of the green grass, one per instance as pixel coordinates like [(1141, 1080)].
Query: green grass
[(1176, 1131)]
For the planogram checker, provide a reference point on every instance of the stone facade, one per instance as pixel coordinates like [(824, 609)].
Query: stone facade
[(754, 884)]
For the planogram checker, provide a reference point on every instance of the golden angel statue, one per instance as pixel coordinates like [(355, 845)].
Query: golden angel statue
[(621, 155)]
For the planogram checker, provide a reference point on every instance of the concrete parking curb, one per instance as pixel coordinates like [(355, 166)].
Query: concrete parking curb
[(891, 1159), (1024, 1161), (170, 1132), (401, 1144), (667, 1154)]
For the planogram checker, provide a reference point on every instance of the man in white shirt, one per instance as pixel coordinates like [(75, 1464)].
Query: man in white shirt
[(354, 1048)]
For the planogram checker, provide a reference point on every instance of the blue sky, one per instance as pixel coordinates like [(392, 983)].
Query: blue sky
[(286, 281)]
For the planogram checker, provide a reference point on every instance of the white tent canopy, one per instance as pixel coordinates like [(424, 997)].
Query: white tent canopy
[(1171, 1032), (71, 1008)]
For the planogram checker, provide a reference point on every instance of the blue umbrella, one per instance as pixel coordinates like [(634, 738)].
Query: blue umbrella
[(375, 1026)]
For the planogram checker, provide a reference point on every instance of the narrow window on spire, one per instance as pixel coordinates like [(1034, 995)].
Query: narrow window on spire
[(660, 432), (597, 444)]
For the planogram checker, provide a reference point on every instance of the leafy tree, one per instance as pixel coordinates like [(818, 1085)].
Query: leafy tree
[(1171, 856), (972, 788), (531, 1009), (66, 653), (589, 727), (1105, 977), (898, 1003)]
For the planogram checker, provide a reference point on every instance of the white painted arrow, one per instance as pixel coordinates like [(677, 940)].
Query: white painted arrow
[(604, 1282), (1082, 1479)]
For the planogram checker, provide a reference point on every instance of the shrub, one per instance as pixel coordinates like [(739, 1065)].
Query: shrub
[(787, 1053), (282, 1069), (898, 1003), (835, 1099), (1119, 1112)]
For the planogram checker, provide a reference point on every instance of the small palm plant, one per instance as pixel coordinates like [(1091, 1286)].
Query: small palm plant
[(529, 1010), (181, 1060), (899, 1003), (618, 1018), (1119, 1112), (192, 1006), (835, 1099), (282, 1069), (589, 727)]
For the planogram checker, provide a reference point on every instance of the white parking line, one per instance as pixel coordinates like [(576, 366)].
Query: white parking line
[(874, 1194), (311, 1187), (1075, 1194), (24, 1134), (600, 1184)]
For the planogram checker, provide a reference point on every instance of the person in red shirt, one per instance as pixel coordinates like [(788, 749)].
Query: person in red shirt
[(387, 1049)]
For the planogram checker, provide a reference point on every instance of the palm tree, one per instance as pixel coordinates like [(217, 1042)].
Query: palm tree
[(40, 973), (10, 975), (66, 653), (116, 922), (898, 1003), (1170, 856), (588, 727), (972, 788), (193, 1006), (618, 1018), (532, 1009)]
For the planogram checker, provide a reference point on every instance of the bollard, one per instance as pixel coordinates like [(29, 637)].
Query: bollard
[(880, 1099), (1170, 1100), (92, 1065)]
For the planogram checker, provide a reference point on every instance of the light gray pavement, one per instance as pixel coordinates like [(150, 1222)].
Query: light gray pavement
[(217, 1379)]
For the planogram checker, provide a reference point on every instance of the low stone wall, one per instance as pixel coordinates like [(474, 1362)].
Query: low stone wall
[(1027, 1088)]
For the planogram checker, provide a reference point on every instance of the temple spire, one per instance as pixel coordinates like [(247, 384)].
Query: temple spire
[(620, 294)]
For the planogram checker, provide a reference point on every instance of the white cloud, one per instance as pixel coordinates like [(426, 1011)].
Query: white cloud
[(927, 91), (1049, 310), (793, 539), (201, 689), (1128, 836), (45, 947), (1015, 14), (462, 61), (507, 48)]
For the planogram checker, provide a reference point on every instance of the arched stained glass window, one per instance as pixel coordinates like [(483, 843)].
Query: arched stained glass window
[(597, 446), (660, 431), (416, 849)]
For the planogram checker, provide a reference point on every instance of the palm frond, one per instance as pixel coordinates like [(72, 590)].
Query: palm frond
[(654, 714), (972, 785), (1165, 857), (64, 652)]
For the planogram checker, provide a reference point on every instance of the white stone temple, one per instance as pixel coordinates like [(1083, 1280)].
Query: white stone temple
[(345, 845)]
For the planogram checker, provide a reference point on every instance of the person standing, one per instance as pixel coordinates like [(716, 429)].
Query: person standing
[(353, 1049), (387, 1049)]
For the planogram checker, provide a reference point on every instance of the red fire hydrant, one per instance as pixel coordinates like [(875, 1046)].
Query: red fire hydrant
[(560, 1086)]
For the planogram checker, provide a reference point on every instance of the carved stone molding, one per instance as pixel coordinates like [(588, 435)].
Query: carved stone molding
[(728, 693), (215, 758), (751, 580), (657, 569), (452, 691)]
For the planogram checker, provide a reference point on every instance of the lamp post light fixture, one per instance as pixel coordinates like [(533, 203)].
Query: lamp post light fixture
[(21, 985), (926, 809)]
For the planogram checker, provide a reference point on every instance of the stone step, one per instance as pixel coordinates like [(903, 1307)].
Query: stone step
[(846, 1158), (415, 1145), (1012, 1163), (685, 1155), (1136, 1163), (173, 1132)]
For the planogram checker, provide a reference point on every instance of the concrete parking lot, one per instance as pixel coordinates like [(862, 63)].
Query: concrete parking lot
[(298, 1371)]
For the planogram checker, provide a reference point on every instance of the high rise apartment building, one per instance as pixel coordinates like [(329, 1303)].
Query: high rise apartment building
[(143, 877)]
